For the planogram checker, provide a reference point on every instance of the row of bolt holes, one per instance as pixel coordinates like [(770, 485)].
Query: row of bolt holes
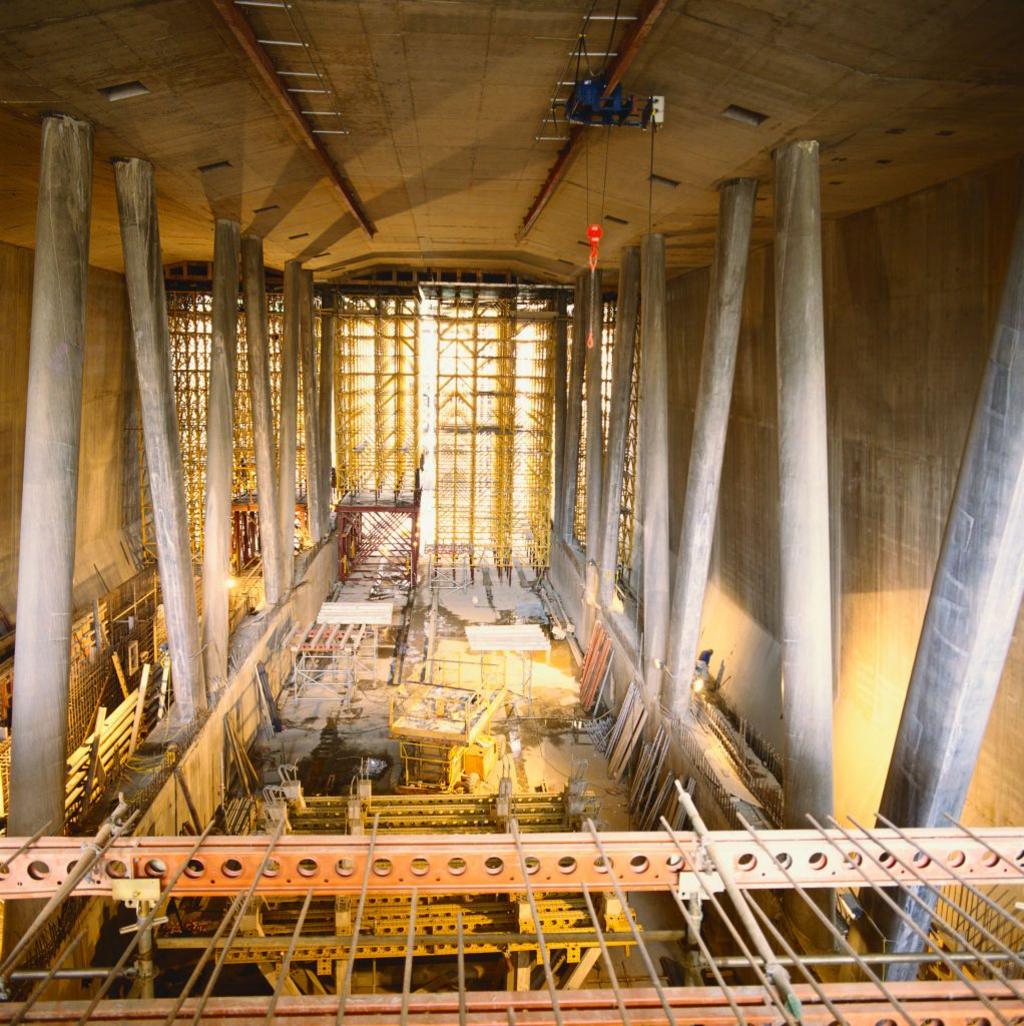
[(567, 865)]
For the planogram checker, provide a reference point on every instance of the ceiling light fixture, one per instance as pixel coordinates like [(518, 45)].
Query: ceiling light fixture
[(217, 165), (330, 131), (301, 235), (744, 115), (299, 74), (124, 91), (615, 220), (263, 210), (662, 180), (293, 89), (278, 42), (322, 113)]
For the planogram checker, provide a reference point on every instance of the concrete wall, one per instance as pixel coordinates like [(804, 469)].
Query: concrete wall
[(107, 495), (912, 290)]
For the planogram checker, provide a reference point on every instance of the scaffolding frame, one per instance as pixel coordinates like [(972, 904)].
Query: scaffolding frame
[(190, 324), (493, 429), (376, 381), (627, 504)]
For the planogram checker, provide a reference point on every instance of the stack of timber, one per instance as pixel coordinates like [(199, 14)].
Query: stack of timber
[(597, 667), (627, 731), (646, 794), (108, 747)]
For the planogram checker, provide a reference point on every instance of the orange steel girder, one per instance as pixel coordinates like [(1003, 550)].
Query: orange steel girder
[(475, 864)]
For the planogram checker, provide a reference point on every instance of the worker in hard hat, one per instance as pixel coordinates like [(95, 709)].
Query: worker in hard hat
[(702, 679)]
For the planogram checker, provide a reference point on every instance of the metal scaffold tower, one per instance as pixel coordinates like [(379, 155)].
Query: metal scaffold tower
[(607, 348), (377, 394), (627, 508), (495, 390), (189, 314)]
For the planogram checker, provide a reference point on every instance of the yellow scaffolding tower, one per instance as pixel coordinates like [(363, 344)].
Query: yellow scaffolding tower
[(189, 315), (376, 380), (495, 393), (628, 504)]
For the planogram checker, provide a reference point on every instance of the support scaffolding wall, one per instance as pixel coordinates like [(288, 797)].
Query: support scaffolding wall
[(627, 505), (189, 314)]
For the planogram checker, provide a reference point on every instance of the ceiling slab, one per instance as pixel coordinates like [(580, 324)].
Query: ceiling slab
[(442, 100)]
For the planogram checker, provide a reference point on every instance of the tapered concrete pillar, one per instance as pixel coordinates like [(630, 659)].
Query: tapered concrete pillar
[(310, 407), (806, 620), (325, 416), (653, 443), (595, 439), (219, 452), (147, 298), (623, 356), (710, 422), (49, 496), (288, 420), (258, 360), (561, 370), (574, 407), (975, 598)]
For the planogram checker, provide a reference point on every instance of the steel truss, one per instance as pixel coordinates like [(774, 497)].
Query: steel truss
[(378, 542)]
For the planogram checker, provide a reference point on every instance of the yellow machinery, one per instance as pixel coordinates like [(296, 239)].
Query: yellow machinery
[(499, 930), (442, 732)]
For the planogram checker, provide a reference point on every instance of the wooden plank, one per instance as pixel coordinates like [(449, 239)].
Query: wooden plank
[(517, 637), (140, 706), (379, 614), (94, 759), (119, 670)]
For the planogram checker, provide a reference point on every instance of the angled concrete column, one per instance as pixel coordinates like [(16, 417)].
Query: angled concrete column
[(219, 451), (653, 446), (975, 598), (326, 420), (623, 356), (291, 343), (595, 440), (310, 408), (147, 298), (561, 369), (803, 485), (574, 407), (49, 497), (710, 423), (258, 360)]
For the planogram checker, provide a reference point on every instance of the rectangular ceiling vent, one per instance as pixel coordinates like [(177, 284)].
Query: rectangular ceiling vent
[(217, 165), (744, 115), (124, 91)]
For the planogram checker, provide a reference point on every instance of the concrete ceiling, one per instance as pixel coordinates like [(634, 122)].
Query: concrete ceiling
[(443, 99)]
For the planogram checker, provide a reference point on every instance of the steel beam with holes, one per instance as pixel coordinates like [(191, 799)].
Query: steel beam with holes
[(947, 1002), (480, 864)]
